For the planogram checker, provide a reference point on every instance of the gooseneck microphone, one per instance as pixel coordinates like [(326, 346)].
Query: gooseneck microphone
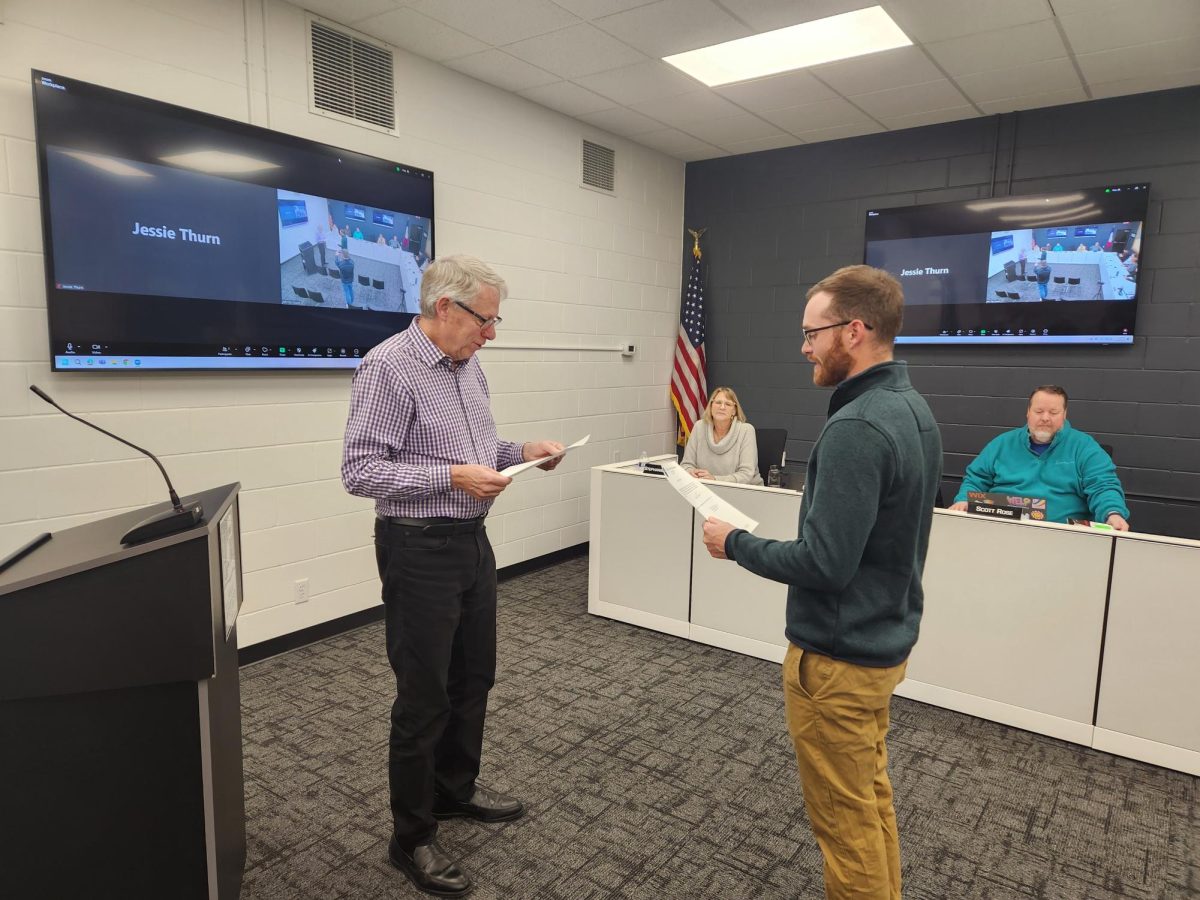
[(178, 518)]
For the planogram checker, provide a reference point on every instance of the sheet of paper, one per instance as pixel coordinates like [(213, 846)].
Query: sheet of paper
[(513, 471), (708, 504)]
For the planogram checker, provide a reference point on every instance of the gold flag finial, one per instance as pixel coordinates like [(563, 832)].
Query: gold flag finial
[(696, 241)]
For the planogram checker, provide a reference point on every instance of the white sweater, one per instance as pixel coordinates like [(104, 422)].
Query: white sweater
[(734, 459)]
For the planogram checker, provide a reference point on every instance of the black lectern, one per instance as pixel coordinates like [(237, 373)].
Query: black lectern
[(120, 719)]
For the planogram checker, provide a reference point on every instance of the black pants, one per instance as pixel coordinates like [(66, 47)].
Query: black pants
[(440, 598)]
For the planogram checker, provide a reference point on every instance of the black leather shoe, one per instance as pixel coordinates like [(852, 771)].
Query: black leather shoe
[(484, 805), (430, 869)]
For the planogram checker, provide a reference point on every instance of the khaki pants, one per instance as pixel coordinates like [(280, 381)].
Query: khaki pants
[(837, 714)]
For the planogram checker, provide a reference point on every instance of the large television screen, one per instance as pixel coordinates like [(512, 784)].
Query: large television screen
[(1056, 268), (179, 240)]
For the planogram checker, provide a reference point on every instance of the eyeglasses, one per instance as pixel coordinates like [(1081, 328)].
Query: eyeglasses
[(809, 332), (484, 324)]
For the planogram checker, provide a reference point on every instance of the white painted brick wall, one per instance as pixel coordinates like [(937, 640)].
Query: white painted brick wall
[(583, 269)]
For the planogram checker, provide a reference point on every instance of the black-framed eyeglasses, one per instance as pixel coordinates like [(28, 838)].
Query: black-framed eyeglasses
[(809, 332), (484, 324)]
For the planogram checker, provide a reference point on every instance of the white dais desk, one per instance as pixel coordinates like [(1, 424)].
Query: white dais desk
[(1021, 623)]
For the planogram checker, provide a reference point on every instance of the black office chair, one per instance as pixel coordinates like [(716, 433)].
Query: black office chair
[(364, 280), (1014, 295), (1060, 282), (1001, 295), (771, 443), (335, 273), (300, 292), (316, 296), (1073, 285)]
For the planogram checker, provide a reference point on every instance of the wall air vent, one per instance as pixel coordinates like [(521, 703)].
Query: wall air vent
[(599, 167), (351, 77)]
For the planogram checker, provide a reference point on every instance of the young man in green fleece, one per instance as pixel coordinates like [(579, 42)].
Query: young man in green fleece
[(1047, 458), (853, 574)]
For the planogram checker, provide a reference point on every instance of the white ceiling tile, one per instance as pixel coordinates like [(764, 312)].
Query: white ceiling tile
[(696, 155), (420, 34), (811, 116), (498, 23), (683, 109), (768, 143), (498, 68), (929, 117), (1050, 75), (649, 80), (837, 132), (568, 98), (594, 9), (673, 26), (777, 91), (1091, 30), (768, 15), (1162, 58), (876, 71), (620, 120), (743, 126), (939, 20), (575, 51), (1145, 84), (912, 98), (1014, 46), (349, 12), (1032, 101), (673, 142)]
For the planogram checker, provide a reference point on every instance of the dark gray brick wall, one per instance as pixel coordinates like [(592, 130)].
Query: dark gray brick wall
[(780, 220)]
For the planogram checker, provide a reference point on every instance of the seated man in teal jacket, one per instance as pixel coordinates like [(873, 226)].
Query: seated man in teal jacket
[(1047, 458)]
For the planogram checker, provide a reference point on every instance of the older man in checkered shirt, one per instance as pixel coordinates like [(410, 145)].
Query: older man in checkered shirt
[(420, 441)]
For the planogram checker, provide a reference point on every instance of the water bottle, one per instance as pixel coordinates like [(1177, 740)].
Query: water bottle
[(642, 460), (773, 477)]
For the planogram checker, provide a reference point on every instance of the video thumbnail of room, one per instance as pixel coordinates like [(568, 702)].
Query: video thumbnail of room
[(344, 255), (1095, 261)]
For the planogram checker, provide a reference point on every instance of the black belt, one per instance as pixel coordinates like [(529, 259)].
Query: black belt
[(437, 525)]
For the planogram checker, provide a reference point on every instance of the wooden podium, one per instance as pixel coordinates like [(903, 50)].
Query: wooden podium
[(120, 719)]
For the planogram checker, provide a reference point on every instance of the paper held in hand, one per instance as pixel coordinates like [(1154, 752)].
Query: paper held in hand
[(708, 504), (513, 471)]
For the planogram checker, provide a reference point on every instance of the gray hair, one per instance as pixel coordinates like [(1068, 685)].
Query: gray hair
[(460, 278)]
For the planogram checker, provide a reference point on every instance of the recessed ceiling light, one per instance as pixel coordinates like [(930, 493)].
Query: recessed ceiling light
[(797, 47)]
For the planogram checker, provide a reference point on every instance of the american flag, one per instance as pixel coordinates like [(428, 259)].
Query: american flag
[(689, 388)]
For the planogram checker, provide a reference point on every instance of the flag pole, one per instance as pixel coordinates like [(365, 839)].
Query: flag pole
[(689, 393)]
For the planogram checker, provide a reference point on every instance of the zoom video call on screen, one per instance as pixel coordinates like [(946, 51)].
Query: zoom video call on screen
[(1047, 268), (176, 239)]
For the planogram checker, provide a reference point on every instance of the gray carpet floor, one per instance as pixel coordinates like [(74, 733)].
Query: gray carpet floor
[(654, 767)]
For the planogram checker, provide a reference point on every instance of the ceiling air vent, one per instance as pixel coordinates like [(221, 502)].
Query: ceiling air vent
[(599, 167), (351, 77)]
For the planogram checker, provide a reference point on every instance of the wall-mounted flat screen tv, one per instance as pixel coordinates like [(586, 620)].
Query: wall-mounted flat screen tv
[(1057, 268), (180, 240)]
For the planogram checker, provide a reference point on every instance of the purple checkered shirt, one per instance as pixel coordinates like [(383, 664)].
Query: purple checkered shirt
[(414, 414)]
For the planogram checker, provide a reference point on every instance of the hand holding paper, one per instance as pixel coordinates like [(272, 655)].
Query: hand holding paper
[(541, 461), (704, 500)]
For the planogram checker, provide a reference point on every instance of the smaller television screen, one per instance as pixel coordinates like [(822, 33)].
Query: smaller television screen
[(1060, 268), (355, 212), (292, 212), (383, 218)]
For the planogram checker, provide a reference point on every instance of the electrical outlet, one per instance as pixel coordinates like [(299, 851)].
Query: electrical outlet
[(301, 589)]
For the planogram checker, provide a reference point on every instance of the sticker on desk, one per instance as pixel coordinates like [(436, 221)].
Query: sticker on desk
[(708, 504)]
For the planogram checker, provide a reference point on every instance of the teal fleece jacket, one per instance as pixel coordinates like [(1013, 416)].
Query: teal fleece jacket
[(1075, 476), (854, 571)]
